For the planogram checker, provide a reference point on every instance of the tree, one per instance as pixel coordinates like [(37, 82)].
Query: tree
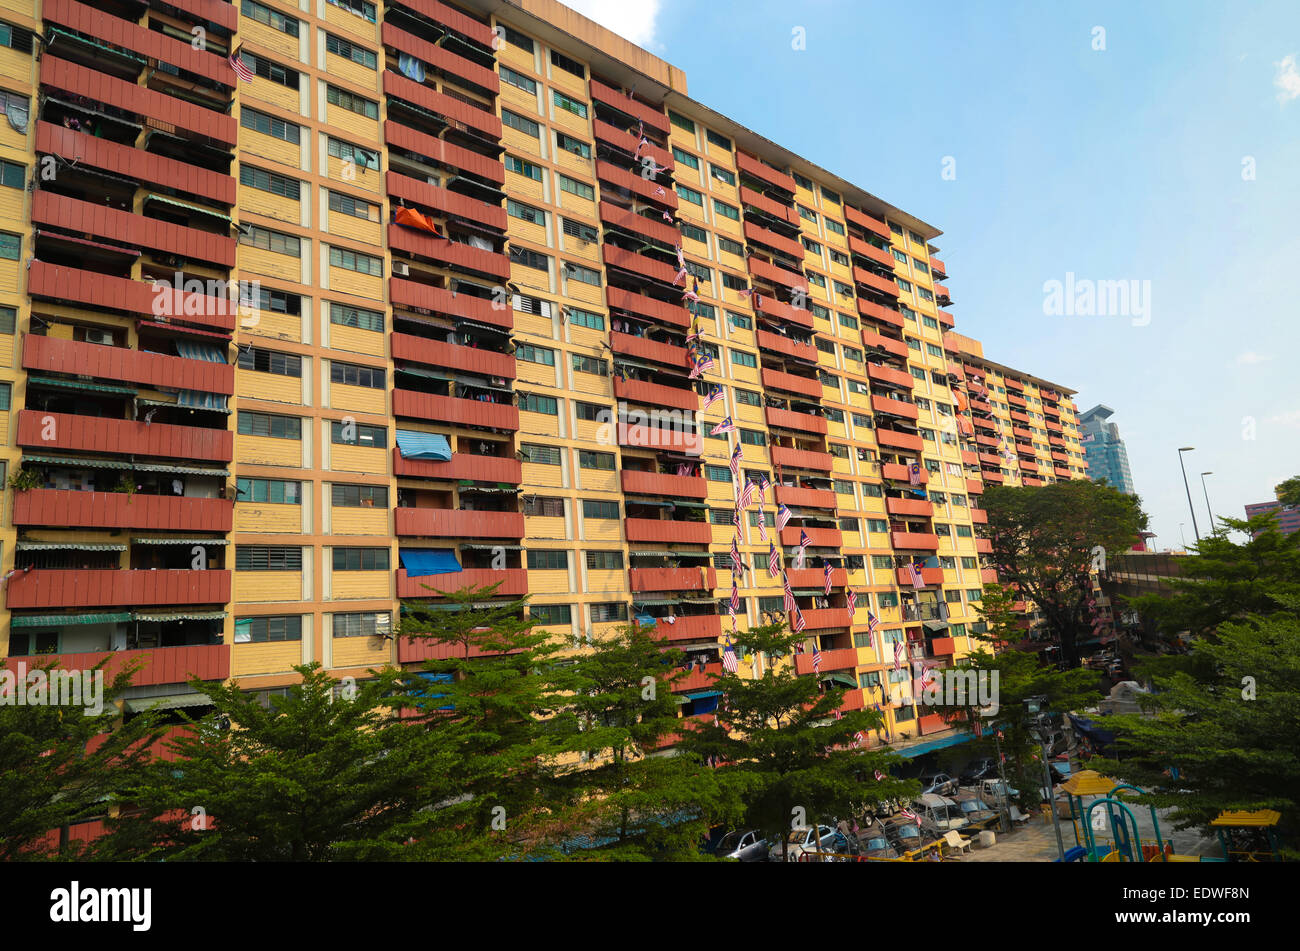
[(60, 766), (636, 802), (784, 752), (320, 774), (1229, 734), (1042, 543), (1288, 493)]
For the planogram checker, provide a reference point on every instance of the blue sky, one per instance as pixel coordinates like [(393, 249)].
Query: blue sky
[(1117, 164)]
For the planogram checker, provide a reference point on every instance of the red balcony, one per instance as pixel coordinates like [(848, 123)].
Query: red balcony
[(943, 646), (993, 476), (791, 348), (78, 587), (1022, 433), (662, 484), (463, 465), (919, 507), (446, 202), (989, 575), (451, 409), (760, 201), (789, 419), (54, 355), (428, 297), (668, 530), (946, 319), (864, 220), (414, 650), (802, 385), (698, 679), (440, 58), (449, 16), (655, 394), (990, 459), (845, 658), (867, 250), (854, 700), (66, 508), (932, 723), (644, 188), (660, 437), (673, 579), (458, 523), (990, 441), (59, 282), (452, 356), (937, 268), (821, 619), (979, 516), (871, 339), (513, 582), (439, 151), (887, 315), (441, 251), (123, 437), (647, 306), (930, 577), (801, 459), (652, 116), (647, 349), (1019, 417), (942, 295), (816, 578), (897, 440), (969, 458), (984, 546), (1062, 472), (898, 472), (974, 486), (395, 84), (884, 285), (777, 274), (87, 218), (807, 498), (914, 541), (625, 141), (817, 537), (889, 375), (788, 246), (628, 220), (159, 665), (638, 264), (99, 87), (756, 168), (691, 628), (767, 304), (1016, 400)]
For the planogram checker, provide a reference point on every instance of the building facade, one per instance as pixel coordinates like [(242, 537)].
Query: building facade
[(1288, 518), (436, 296), (1104, 450)]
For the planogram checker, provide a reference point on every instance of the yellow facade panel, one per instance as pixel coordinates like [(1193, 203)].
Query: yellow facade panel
[(251, 587)]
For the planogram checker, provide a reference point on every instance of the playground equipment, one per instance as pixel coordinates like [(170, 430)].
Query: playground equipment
[(1108, 812), (1240, 826)]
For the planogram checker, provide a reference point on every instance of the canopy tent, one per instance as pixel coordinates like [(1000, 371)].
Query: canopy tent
[(420, 562)]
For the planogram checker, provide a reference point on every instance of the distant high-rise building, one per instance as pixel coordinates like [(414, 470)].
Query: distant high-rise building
[(1288, 519), (1105, 452)]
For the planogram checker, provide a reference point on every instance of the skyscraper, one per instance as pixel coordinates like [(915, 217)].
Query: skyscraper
[(1105, 452)]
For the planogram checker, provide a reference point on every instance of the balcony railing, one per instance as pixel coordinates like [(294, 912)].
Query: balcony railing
[(644, 188), (655, 394), (690, 628), (440, 58), (781, 344), (668, 530), (651, 116), (817, 537), (807, 498), (920, 507), (416, 295), (790, 383), (864, 220), (872, 339), (63, 283), (764, 172), (816, 578), (875, 311), (648, 349), (486, 123), (651, 307), (124, 227), (891, 437), (790, 419), (439, 353), (513, 582), (442, 251), (802, 459), (929, 576), (819, 619), (123, 436), (445, 201), (673, 579), (787, 246), (77, 358), (453, 409), (463, 465), (79, 587), (159, 665), (66, 508), (458, 523), (915, 541), (662, 484), (844, 658), (629, 220), (926, 611)]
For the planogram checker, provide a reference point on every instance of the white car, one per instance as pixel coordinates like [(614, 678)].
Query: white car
[(801, 840)]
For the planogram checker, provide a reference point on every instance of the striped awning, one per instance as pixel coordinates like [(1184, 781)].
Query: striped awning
[(64, 620), (66, 546), (115, 50), (426, 374), (120, 464), (180, 541), (79, 385), (168, 702), (678, 503), (655, 603), (652, 554), (186, 205), (477, 547), (94, 112), (211, 409), (179, 616)]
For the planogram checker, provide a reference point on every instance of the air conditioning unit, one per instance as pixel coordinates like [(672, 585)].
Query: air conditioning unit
[(102, 337), (400, 267)]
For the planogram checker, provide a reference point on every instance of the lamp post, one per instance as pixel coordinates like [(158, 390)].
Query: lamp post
[(1040, 726), (1182, 535), (1189, 491), (1207, 500)]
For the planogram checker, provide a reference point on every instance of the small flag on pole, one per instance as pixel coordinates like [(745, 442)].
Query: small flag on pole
[(747, 496), (712, 398), (788, 604), (817, 655), (729, 661), (773, 560), (799, 623), (763, 486), (762, 524), (853, 604), (735, 463), (726, 426), (918, 580), (898, 655), (782, 516), (828, 578), (914, 473), (240, 67), (872, 622)]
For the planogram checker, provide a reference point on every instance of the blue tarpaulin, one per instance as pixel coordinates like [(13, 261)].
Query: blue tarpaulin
[(419, 562), (431, 446)]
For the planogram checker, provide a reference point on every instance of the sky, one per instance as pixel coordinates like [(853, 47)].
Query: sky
[(1156, 143)]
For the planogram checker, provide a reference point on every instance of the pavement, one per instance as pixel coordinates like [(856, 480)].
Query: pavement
[(1035, 841)]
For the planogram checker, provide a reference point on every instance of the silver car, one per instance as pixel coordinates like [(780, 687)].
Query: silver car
[(743, 846), (804, 840)]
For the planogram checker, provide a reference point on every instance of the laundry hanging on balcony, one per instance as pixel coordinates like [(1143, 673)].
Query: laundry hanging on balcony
[(411, 67), (192, 350), (410, 218), (197, 399), (417, 445), (420, 562)]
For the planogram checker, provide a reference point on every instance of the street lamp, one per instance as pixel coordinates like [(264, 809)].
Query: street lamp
[(1189, 491), (1207, 500), (1040, 725), (1182, 535)]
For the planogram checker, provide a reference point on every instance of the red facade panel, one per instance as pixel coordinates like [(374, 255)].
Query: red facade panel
[(123, 436), (76, 587), (451, 409), (66, 508), (132, 366)]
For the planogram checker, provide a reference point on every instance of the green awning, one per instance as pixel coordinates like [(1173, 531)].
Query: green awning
[(846, 679), (64, 620), (66, 546), (477, 547), (935, 625), (201, 409), (181, 470), (79, 385), (655, 603), (689, 505), (699, 600), (810, 592), (184, 204), (169, 702), (426, 374), (179, 616), (430, 606), (653, 554), (115, 50), (179, 541), (69, 461), (491, 489)]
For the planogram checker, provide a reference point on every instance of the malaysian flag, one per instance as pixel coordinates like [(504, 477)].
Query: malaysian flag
[(773, 560), (735, 596), (729, 662), (817, 651), (681, 276), (860, 737), (659, 192), (735, 520), (908, 814), (918, 580), (726, 426), (684, 469), (788, 604), (839, 715), (828, 578), (799, 624), (762, 524), (240, 67), (763, 486), (712, 398), (880, 777), (747, 496), (735, 463), (914, 473), (898, 655), (737, 565), (873, 622), (804, 540), (782, 516), (681, 258), (853, 606)]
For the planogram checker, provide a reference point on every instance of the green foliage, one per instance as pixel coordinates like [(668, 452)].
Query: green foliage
[(1288, 492), (22, 480), (1042, 541)]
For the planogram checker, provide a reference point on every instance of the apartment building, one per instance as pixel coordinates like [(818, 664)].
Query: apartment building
[(492, 261)]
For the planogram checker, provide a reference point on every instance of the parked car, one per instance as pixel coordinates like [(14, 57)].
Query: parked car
[(801, 840), (875, 843), (995, 790), (975, 809), (744, 846), (843, 848), (937, 783), (939, 815), (904, 834), (978, 770)]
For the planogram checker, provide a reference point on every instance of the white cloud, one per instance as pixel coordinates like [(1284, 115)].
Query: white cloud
[(635, 21), (1287, 80), (1290, 418), (1250, 357)]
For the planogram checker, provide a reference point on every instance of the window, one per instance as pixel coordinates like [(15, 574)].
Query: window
[(568, 65), (269, 125), (356, 207), (877, 525), (608, 611), (268, 17), (741, 358), (6, 396), (722, 174), (266, 424), (547, 614), (535, 354), (13, 175), (569, 144), (270, 240), (345, 315), (358, 54), (575, 106), (974, 594), (262, 630), (883, 562), (581, 189), (685, 158), (604, 560), (544, 506), (518, 80), (584, 274), (596, 460), (964, 531), (349, 374), (731, 247), (543, 560), (360, 559), (352, 153), (967, 561), (8, 318), (271, 491), (361, 8), (753, 437), (810, 245), (536, 403), (807, 214), (681, 122), (727, 211), (740, 322), (540, 455), (834, 227), (515, 38), (269, 361), (356, 261), (584, 364), (693, 232), (267, 558), (525, 212), (360, 496), (362, 625), (721, 141), (847, 320), (353, 103), (593, 508), (532, 259), (269, 70), (888, 599), (719, 516), (690, 194), (585, 318), (520, 167), (520, 123), (368, 437)]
